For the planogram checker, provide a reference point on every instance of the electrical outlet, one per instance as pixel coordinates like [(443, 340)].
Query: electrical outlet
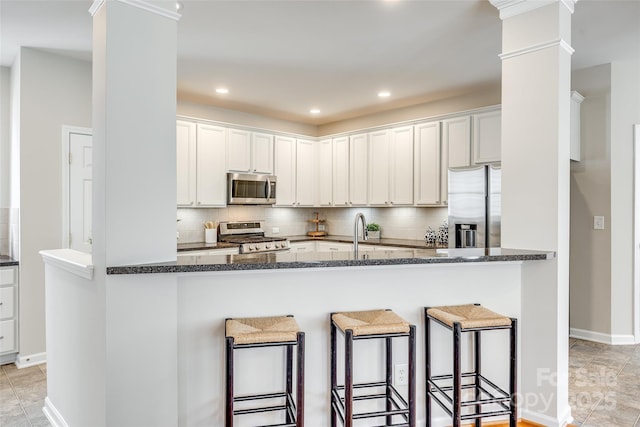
[(598, 222), (401, 374), (275, 230)]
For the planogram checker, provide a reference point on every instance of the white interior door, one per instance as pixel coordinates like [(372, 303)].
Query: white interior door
[(80, 191), (636, 246)]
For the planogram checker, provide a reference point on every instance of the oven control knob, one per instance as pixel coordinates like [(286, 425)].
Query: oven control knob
[(277, 245), (268, 246), (251, 247)]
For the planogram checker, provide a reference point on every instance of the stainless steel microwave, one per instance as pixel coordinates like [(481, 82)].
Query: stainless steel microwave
[(251, 189)]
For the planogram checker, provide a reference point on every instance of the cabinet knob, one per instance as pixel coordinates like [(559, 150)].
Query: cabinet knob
[(191, 202), (2, 337)]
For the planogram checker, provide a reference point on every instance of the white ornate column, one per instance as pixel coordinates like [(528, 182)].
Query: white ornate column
[(134, 208), (536, 83)]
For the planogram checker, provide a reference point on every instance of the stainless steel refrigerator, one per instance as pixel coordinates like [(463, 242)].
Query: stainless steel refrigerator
[(474, 207)]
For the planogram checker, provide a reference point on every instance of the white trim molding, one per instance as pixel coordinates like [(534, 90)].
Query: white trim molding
[(636, 233), (31, 360), (545, 420), (509, 8), (75, 262), (546, 45), (601, 337), (52, 414), (140, 4)]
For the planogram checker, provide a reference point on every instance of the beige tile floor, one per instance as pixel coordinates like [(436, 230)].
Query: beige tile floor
[(604, 388), (22, 393), (604, 384)]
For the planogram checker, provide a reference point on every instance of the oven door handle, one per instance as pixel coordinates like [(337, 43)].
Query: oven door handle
[(268, 188)]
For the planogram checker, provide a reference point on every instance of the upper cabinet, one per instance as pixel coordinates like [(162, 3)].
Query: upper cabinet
[(576, 100), (487, 142), (305, 173), (211, 180), (186, 163), (456, 139), (200, 165), (340, 168), (325, 172), (427, 166), (358, 172), (285, 170), (391, 167), (250, 152)]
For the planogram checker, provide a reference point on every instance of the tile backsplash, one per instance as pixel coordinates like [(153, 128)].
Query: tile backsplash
[(397, 222)]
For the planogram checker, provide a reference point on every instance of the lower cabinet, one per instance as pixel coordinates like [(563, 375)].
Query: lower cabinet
[(298, 247), (8, 314)]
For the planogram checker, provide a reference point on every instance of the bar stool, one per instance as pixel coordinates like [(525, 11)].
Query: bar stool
[(280, 331), (363, 325), (470, 318)]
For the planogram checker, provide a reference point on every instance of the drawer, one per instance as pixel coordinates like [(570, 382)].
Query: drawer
[(7, 336), (7, 276), (6, 302)]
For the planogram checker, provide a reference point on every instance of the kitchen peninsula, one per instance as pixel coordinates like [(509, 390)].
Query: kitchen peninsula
[(171, 319)]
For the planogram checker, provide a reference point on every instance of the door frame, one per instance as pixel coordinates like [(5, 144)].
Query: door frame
[(66, 137), (636, 233)]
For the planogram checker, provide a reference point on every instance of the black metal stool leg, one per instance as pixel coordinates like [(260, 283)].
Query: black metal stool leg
[(334, 373), (457, 376), (427, 355), (348, 378), (300, 382), (229, 383), (513, 374), (289, 382), (478, 367), (412, 376), (389, 369)]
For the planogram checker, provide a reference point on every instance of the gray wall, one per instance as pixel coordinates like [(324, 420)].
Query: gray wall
[(590, 269), (54, 91)]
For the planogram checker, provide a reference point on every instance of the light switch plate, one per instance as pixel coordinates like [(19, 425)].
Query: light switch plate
[(598, 222)]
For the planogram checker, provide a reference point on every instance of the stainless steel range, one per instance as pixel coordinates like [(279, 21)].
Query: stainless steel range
[(250, 236)]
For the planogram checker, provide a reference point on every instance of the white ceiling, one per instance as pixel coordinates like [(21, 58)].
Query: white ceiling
[(281, 58)]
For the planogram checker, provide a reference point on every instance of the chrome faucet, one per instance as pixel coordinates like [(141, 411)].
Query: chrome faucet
[(359, 218)]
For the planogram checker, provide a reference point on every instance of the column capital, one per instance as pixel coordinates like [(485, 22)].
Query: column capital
[(509, 8), (140, 4)]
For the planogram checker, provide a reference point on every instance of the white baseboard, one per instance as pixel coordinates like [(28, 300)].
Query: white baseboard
[(31, 360), (601, 337), (53, 415)]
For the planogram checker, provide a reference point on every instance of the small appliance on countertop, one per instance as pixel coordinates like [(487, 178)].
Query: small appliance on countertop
[(250, 236)]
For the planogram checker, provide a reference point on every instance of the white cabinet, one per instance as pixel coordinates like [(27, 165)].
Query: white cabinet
[(186, 163), (487, 133), (325, 173), (576, 100), (391, 167), (8, 313), (427, 164), (334, 247), (358, 172), (285, 170), (250, 152), (208, 252), (305, 173), (456, 137), (401, 166), (298, 247), (379, 178), (340, 166), (200, 155), (211, 177)]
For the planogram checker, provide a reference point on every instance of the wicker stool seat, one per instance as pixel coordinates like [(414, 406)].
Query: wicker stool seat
[(488, 400), (373, 324), (255, 332)]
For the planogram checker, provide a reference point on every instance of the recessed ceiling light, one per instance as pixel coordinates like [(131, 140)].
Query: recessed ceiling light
[(222, 90), (179, 6), (314, 111), (384, 94)]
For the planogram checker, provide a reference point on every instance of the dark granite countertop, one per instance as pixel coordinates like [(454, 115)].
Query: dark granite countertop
[(6, 261), (288, 260)]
